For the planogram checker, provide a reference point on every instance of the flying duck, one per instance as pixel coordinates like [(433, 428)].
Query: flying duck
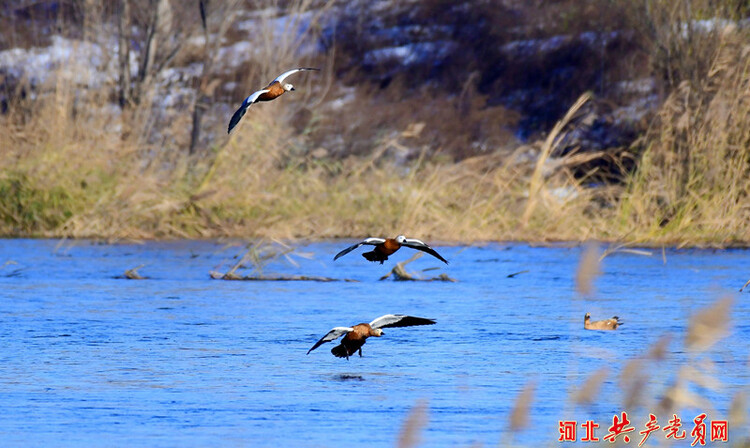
[(387, 246), (355, 337), (274, 90), (607, 324)]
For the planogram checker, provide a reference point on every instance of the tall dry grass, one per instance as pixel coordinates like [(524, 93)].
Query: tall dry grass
[(692, 181), (73, 167), (256, 186), (681, 37)]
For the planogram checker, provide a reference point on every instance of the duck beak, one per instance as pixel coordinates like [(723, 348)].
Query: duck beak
[(291, 89)]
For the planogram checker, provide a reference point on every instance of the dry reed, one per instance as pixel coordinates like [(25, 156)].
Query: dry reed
[(519, 416), (644, 382), (413, 425), (588, 269)]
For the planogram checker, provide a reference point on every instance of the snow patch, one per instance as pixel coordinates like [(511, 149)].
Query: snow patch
[(411, 54), (636, 110), (81, 62), (235, 55), (349, 95), (531, 46), (640, 86)]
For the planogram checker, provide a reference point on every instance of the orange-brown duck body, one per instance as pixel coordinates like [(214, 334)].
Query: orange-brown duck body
[(385, 247), (275, 89), (353, 341), (382, 251), (604, 325), (354, 337)]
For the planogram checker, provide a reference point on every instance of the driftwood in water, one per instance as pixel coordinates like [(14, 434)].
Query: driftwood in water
[(276, 278), (399, 273), (132, 274), (14, 273), (258, 255)]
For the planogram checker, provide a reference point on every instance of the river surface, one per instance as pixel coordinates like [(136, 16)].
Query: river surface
[(92, 359)]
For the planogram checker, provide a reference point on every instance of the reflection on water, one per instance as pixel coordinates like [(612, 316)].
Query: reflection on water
[(180, 359)]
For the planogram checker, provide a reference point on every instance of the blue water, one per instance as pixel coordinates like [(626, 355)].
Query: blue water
[(179, 359)]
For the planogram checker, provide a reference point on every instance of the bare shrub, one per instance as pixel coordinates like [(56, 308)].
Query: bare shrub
[(693, 172)]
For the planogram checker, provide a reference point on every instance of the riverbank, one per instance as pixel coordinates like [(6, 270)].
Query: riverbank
[(351, 161)]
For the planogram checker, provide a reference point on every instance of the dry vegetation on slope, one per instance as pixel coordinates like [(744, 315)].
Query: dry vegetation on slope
[(363, 148)]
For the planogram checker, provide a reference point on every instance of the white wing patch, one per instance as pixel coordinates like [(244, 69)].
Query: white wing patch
[(414, 242), (419, 245), (285, 75), (239, 113), (372, 241), (400, 320), (252, 98), (387, 319), (332, 335)]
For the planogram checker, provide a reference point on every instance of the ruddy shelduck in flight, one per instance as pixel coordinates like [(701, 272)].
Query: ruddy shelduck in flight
[(274, 90), (384, 247), (607, 324), (355, 337)]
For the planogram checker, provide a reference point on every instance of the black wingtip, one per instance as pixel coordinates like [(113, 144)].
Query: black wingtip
[(235, 119), (438, 256), (434, 253), (202, 7)]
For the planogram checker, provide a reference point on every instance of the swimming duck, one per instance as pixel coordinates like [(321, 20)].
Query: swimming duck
[(274, 90), (387, 246), (607, 324), (355, 337)]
